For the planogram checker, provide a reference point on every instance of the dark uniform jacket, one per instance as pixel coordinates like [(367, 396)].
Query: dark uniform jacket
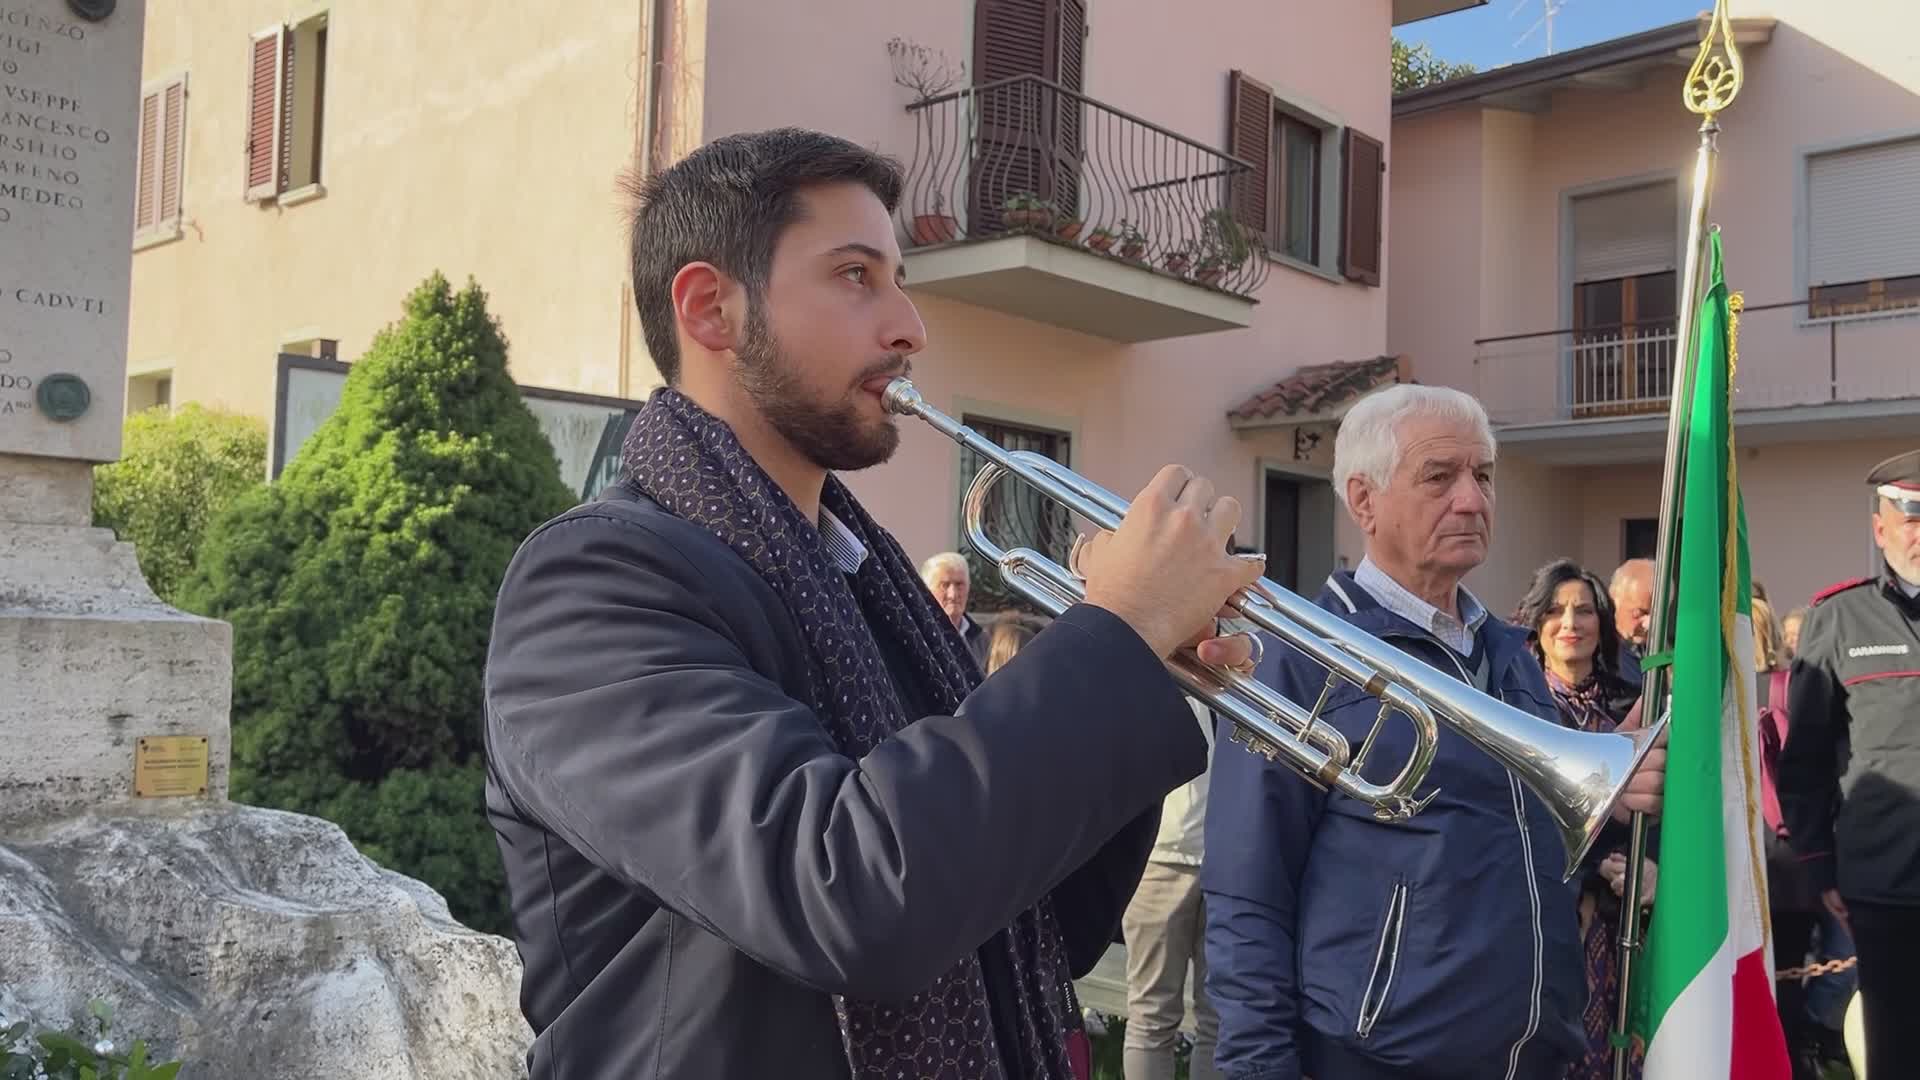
[(693, 866), (1849, 774)]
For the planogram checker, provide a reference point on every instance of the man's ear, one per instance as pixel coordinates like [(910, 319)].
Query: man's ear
[(1360, 504), (704, 304)]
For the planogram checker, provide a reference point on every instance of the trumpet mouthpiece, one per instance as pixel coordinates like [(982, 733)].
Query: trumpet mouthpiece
[(901, 397)]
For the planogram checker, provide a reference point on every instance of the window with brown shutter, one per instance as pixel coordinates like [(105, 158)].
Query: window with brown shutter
[(1029, 134), (173, 150), (146, 188), (1250, 138), (265, 71), (286, 91), (1363, 175), (160, 160)]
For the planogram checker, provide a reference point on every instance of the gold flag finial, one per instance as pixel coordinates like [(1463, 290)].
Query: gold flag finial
[(1716, 74)]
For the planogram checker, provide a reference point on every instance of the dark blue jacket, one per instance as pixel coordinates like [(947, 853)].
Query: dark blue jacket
[(1344, 948), (695, 868)]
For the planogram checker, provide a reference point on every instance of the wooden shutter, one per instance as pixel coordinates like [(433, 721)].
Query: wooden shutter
[(283, 154), (173, 149), (1363, 176), (1068, 48), (1010, 38), (1250, 138), (146, 182), (266, 70)]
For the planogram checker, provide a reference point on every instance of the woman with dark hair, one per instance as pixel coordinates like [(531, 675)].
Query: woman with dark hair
[(1569, 619)]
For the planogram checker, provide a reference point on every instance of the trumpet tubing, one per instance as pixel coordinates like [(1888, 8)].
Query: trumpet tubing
[(1578, 775)]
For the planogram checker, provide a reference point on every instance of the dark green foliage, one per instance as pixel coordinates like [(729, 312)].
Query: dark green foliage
[(1415, 66), (177, 472), (360, 587)]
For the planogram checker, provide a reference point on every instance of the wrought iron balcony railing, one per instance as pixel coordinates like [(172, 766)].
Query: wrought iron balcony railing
[(1025, 156)]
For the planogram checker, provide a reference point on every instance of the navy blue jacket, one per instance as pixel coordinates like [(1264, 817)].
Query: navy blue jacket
[(695, 868), (1343, 948)]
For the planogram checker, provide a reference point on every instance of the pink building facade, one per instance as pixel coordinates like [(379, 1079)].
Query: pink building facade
[(1539, 220), (1052, 190)]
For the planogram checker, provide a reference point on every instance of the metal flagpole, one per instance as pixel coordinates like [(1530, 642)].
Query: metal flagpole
[(1711, 85)]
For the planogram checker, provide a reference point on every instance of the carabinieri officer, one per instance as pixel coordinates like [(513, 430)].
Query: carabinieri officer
[(1849, 776)]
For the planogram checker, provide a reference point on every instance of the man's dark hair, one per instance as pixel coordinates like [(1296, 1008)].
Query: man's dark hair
[(727, 203)]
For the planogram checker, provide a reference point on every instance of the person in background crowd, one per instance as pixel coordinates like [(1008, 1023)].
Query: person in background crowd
[(1165, 933), (1850, 771), (1010, 631), (1631, 591), (951, 582), (1790, 632), (1791, 899), (1343, 948), (1570, 625)]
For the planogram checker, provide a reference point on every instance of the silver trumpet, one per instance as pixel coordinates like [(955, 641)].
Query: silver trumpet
[(1577, 774)]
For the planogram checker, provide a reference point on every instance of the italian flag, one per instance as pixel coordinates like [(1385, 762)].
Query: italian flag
[(1708, 968)]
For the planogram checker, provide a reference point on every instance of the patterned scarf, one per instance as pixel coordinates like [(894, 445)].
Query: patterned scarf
[(1584, 706), (690, 463)]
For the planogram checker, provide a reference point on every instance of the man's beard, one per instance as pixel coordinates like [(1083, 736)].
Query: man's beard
[(831, 435)]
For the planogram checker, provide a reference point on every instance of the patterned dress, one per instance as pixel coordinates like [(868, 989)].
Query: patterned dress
[(1594, 706)]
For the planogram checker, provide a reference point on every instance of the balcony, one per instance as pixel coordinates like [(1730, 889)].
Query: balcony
[(1028, 198), (1602, 394)]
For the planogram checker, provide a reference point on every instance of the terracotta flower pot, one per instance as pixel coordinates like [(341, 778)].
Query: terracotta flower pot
[(1069, 230), (1026, 219), (1100, 241), (933, 229)]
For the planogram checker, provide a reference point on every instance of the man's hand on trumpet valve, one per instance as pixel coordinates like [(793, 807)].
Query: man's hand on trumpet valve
[(1166, 570)]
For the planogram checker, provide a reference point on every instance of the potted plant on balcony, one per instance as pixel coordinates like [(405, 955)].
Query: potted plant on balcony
[(1177, 258), (934, 228), (1068, 228), (1133, 243), (1210, 269), (1223, 247), (1025, 210), (928, 74), (1101, 238)]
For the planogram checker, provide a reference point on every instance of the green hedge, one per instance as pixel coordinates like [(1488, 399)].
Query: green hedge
[(360, 586), (178, 470)]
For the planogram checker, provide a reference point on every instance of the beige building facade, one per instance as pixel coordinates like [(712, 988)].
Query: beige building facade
[(1539, 213), (1134, 238)]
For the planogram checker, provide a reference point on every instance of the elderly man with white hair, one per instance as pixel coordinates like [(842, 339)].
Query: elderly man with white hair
[(951, 582), (1342, 948)]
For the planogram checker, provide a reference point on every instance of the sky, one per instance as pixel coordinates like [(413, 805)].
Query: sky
[(1491, 35)]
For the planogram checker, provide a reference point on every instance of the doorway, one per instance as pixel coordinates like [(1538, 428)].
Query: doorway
[(1297, 518)]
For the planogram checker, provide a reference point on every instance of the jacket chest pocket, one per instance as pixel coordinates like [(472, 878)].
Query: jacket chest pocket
[(1386, 962), (1882, 708)]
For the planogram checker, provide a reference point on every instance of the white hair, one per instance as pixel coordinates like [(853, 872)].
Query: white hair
[(1628, 571), (946, 560), (1368, 445)]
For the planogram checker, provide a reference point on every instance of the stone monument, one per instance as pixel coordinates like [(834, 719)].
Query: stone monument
[(243, 941)]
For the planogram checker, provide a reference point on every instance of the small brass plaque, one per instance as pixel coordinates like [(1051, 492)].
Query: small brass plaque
[(169, 765)]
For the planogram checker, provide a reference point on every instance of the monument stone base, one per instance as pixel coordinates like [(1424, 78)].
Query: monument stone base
[(93, 663), (241, 941)]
